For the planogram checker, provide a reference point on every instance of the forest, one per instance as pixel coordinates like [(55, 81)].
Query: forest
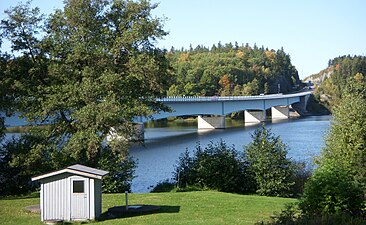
[(230, 70), (333, 80)]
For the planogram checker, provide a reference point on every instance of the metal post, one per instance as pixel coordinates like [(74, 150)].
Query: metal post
[(126, 194)]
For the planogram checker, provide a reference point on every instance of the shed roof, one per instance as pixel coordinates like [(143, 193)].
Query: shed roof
[(76, 169)]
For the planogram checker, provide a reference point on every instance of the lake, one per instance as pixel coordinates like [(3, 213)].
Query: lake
[(165, 141)]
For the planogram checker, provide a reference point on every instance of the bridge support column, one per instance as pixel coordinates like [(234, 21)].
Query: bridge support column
[(215, 122), (280, 112), (254, 116), (136, 135)]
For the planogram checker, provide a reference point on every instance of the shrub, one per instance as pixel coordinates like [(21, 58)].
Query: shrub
[(164, 186), (121, 171), (286, 218), (184, 174), (218, 167), (332, 190), (19, 162), (266, 158), (301, 175)]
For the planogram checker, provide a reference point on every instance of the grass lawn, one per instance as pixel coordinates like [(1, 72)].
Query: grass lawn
[(206, 207)]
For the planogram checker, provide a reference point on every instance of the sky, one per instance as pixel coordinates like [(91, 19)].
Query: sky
[(310, 31)]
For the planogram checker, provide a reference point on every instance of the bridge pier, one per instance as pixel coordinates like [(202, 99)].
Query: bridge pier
[(137, 134), (280, 112), (214, 122), (254, 116)]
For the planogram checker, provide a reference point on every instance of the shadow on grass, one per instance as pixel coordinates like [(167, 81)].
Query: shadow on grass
[(126, 214)]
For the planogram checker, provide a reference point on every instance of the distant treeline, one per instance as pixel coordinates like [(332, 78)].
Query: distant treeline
[(227, 69)]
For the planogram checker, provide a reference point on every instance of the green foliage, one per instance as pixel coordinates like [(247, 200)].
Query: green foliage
[(266, 157), (164, 186), (184, 173), (95, 67), (121, 171), (338, 186), (302, 173), (339, 73), (230, 70), (265, 168), (30, 155), (19, 161), (332, 190), (218, 167), (4, 102), (346, 142), (287, 216), (2, 128), (292, 215), (315, 106)]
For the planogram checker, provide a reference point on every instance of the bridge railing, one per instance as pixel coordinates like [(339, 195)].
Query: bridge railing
[(226, 98)]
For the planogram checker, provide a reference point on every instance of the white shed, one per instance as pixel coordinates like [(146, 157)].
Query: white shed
[(73, 193)]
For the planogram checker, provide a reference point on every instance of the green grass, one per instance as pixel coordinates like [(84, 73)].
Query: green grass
[(206, 207), (12, 211)]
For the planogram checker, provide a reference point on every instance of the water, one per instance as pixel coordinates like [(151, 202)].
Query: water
[(165, 142)]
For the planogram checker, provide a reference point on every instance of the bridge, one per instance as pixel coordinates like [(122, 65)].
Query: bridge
[(211, 111)]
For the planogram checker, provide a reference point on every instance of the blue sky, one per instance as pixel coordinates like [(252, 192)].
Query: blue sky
[(311, 31)]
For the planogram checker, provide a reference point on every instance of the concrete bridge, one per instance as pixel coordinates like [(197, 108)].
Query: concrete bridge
[(211, 111), (221, 106)]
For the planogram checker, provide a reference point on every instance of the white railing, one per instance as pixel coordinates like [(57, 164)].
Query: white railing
[(228, 98)]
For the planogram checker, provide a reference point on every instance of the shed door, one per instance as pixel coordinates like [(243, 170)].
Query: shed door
[(79, 198)]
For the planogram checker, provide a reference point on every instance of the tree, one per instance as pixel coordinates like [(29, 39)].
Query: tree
[(251, 88), (337, 76), (339, 183), (266, 157), (226, 84), (96, 67), (3, 101), (217, 71), (345, 146)]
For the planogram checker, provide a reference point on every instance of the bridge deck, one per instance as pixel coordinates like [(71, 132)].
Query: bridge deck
[(215, 105)]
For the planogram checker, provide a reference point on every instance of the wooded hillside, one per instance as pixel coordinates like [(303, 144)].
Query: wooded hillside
[(332, 81), (226, 69)]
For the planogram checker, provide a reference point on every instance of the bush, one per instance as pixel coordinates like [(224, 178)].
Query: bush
[(332, 190), (292, 215), (289, 218), (301, 175), (30, 155), (164, 186), (266, 158), (218, 167), (121, 171), (20, 159), (184, 174)]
